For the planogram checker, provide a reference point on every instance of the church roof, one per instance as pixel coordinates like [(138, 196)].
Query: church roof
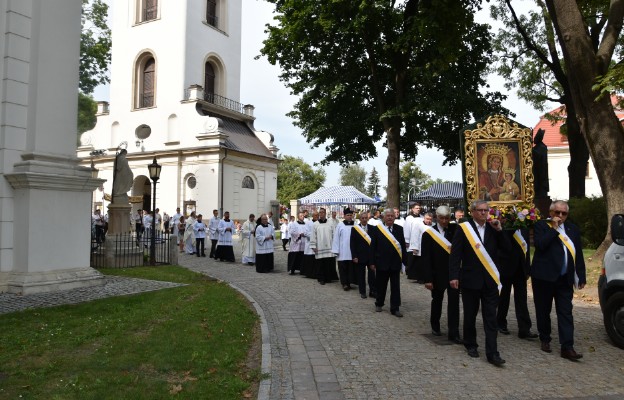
[(242, 138)]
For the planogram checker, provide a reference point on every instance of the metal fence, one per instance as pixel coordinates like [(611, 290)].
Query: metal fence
[(130, 250)]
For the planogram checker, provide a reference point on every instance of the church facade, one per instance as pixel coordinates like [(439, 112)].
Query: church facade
[(175, 96)]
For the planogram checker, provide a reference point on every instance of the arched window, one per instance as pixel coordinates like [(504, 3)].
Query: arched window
[(248, 183), (149, 10), (212, 16), (209, 81), (145, 81)]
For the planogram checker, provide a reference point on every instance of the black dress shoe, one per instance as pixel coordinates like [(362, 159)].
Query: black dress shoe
[(570, 354), (363, 296), (321, 282), (377, 308), (397, 313), (527, 335), (496, 360), (546, 347), (436, 333), (504, 331), (472, 352), (456, 339), (346, 288)]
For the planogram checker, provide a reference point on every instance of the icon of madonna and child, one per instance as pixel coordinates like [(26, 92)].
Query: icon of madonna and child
[(499, 173)]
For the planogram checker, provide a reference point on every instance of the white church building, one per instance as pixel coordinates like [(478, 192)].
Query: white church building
[(175, 96)]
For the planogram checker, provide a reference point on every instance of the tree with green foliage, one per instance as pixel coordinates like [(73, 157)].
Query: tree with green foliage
[(587, 57), (409, 72), (296, 179), (530, 60), (413, 180), (95, 57), (353, 175), (372, 190)]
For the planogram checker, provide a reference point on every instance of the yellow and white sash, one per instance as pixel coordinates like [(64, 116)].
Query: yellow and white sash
[(439, 238), (567, 242), (388, 235), (481, 252), (520, 240), (362, 233)]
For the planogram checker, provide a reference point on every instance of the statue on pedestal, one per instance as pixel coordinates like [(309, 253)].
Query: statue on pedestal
[(540, 165), (122, 179)]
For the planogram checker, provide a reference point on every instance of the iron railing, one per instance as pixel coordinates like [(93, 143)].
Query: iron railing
[(212, 20), (130, 250)]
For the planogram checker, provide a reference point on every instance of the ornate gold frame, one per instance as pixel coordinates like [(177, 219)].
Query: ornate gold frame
[(495, 137)]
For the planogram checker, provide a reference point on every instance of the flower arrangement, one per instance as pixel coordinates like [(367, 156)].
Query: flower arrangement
[(515, 216)]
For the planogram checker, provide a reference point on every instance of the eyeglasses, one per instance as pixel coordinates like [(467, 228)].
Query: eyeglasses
[(481, 210), (563, 213)]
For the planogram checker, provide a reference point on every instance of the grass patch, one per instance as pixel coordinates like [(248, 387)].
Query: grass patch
[(186, 342)]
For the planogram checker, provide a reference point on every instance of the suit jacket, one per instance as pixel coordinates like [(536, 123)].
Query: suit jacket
[(360, 248), (548, 258), (434, 259), (383, 253), (511, 261), (464, 263)]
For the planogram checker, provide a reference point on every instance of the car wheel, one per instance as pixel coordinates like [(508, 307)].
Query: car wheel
[(614, 318)]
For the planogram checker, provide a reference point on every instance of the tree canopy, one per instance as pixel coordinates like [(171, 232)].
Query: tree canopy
[(95, 45), (413, 180), (296, 179), (353, 175), (409, 72)]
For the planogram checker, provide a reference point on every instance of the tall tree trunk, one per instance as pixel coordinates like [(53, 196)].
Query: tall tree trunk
[(602, 130), (393, 140), (579, 154)]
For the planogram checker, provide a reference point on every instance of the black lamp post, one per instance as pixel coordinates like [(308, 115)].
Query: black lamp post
[(154, 172)]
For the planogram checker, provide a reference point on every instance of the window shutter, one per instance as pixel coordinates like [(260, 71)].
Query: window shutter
[(149, 76)]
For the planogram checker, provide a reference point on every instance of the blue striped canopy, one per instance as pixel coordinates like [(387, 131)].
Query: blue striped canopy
[(337, 195), (442, 191)]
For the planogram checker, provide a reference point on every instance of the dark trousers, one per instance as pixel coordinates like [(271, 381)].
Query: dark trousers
[(139, 231), (372, 282), (200, 248), (99, 233), (213, 247), (382, 278), (543, 294), (519, 284), (452, 309), (284, 241), (323, 267), (344, 269), (488, 298), (360, 271)]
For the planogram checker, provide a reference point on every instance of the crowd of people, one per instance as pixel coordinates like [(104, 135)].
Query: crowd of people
[(474, 259)]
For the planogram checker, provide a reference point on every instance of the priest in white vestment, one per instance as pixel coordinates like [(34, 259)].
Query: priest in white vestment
[(248, 241), (225, 249)]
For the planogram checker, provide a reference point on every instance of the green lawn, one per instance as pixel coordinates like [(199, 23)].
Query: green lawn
[(187, 342)]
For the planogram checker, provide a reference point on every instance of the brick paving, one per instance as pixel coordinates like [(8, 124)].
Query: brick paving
[(320, 342)]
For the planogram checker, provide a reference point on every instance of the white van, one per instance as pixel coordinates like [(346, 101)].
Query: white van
[(611, 283)]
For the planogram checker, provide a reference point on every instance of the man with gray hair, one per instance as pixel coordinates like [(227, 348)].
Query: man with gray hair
[(435, 251), (388, 255), (474, 263)]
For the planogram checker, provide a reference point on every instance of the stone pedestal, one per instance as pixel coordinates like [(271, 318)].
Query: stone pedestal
[(121, 247), (118, 219)]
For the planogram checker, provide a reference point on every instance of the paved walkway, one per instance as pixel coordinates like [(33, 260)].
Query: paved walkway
[(325, 343)]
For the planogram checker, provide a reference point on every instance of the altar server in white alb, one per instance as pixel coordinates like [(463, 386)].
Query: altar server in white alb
[(199, 229), (297, 232), (265, 237), (225, 250), (341, 247), (308, 265), (213, 228), (175, 221), (248, 240), (284, 232), (321, 243)]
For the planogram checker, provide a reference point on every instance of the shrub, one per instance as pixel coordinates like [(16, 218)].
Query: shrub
[(590, 215)]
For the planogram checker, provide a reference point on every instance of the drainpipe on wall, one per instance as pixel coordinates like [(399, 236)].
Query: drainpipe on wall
[(222, 167)]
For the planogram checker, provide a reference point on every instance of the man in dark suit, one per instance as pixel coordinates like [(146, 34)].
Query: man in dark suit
[(435, 249), (360, 251), (515, 267), (474, 241), (387, 259), (557, 264)]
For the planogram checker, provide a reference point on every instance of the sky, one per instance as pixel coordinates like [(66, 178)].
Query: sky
[(261, 87)]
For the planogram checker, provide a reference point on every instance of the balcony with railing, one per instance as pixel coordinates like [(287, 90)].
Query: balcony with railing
[(196, 92)]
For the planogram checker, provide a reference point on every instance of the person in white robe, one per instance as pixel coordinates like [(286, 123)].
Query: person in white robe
[(341, 247), (265, 237), (397, 217), (376, 218), (321, 243), (175, 221), (213, 229), (284, 232), (412, 222), (308, 265), (297, 233), (415, 270), (199, 230), (148, 220), (189, 236), (248, 240), (225, 249)]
